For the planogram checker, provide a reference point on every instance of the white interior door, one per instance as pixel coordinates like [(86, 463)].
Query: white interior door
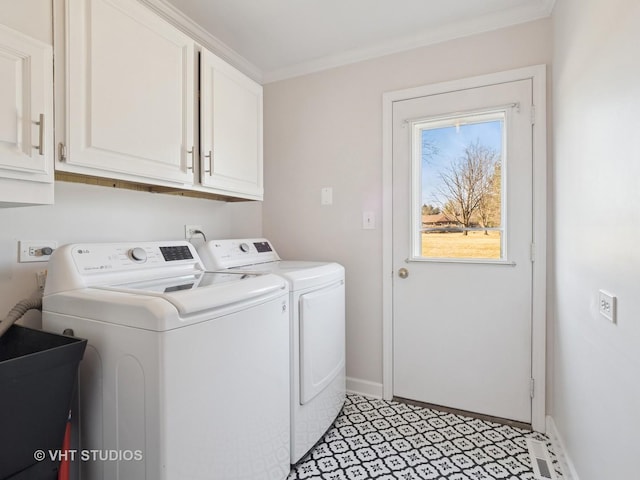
[(462, 240)]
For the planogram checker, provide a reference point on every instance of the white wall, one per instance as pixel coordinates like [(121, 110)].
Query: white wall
[(90, 213), (596, 83), (325, 129)]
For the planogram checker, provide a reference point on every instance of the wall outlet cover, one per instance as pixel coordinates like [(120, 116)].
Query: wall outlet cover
[(35, 250), (607, 305), (189, 231)]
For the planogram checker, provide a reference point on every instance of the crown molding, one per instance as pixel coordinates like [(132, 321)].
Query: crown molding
[(450, 31), (187, 25)]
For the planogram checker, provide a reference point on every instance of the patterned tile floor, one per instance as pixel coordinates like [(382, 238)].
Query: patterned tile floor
[(381, 440)]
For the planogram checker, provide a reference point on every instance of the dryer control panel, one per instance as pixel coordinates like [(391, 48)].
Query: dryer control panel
[(223, 254)]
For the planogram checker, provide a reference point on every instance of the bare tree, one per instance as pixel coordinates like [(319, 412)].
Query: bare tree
[(429, 148), (466, 183), (489, 208)]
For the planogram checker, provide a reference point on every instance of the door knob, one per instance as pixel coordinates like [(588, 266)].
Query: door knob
[(403, 273)]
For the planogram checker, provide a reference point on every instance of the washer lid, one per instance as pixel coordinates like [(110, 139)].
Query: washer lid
[(204, 291)]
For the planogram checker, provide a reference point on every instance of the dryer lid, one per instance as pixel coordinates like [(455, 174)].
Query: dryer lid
[(204, 291), (300, 274)]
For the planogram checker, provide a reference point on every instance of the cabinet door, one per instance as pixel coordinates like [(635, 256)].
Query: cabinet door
[(231, 129), (26, 120), (130, 93)]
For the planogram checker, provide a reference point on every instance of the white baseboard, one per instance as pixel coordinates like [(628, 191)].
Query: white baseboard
[(568, 470), (364, 387)]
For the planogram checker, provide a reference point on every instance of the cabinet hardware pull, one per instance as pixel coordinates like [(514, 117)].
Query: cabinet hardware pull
[(210, 157), (62, 152), (40, 146), (190, 152)]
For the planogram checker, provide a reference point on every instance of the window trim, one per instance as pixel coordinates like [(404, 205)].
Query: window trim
[(416, 127)]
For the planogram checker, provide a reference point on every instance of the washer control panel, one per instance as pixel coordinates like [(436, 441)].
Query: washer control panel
[(176, 253), (114, 257)]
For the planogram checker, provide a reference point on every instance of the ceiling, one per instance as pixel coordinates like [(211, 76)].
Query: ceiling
[(285, 38)]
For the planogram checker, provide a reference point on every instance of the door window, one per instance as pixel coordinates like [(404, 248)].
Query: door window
[(458, 199)]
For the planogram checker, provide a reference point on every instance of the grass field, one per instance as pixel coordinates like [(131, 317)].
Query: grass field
[(457, 245)]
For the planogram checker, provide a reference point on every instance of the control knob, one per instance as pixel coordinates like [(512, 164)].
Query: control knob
[(138, 255), (244, 247)]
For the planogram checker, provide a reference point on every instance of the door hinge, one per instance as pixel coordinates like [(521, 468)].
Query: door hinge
[(62, 152), (532, 252), (533, 114), (532, 387)]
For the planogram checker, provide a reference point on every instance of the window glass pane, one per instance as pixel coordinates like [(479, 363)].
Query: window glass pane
[(461, 187)]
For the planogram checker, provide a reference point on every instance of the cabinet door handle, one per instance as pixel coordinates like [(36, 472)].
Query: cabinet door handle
[(40, 146), (190, 152), (210, 157)]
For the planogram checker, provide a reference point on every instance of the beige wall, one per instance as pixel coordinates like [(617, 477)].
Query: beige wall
[(597, 223), (31, 17), (325, 130)]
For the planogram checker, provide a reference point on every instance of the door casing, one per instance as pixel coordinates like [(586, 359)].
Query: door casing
[(537, 74)]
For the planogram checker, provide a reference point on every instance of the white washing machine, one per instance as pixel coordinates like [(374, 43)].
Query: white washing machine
[(186, 373), (317, 299)]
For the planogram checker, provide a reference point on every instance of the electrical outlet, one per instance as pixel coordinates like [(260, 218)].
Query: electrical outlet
[(190, 231), (607, 305), (36, 250)]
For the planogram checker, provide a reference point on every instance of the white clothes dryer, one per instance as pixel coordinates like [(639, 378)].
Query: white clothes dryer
[(317, 299), (186, 373)]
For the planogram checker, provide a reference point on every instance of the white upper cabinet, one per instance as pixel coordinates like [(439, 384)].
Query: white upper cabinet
[(129, 104), (230, 129), (130, 94), (26, 120)]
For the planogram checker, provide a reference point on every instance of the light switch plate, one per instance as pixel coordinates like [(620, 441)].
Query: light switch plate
[(368, 220), (326, 196)]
